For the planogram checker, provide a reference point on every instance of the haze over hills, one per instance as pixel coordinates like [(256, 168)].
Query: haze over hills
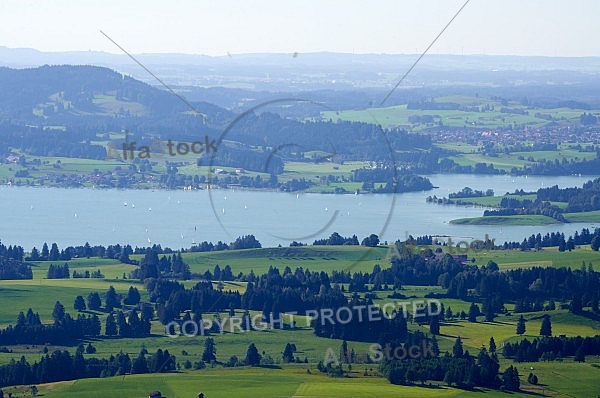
[(329, 71), (85, 101), (73, 106), (21, 57), (58, 93)]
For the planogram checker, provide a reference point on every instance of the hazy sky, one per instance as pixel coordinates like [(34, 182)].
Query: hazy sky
[(523, 27)]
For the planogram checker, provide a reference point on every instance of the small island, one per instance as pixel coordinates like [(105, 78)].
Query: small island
[(545, 206)]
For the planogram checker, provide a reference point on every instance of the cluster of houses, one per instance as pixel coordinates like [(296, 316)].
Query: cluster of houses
[(548, 134)]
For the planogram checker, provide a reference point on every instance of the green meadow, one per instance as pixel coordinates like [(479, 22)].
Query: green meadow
[(580, 379), (246, 382), (491, 117), (492, 201), (41, 295), (588, 216), (506, 220), (298, 380), (314, 258), (506, 161), (530, 219), (546, 257)]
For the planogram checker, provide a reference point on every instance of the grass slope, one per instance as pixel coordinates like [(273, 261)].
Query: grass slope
[(265, 382), (506, 220), (315, 258), (293, 380)]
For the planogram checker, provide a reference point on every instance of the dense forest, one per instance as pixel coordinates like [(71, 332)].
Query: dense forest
[(12, 265)]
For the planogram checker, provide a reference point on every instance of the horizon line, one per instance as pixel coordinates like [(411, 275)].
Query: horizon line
[(230, 54)]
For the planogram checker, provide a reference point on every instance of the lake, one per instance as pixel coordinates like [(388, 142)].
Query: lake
[(32, 216)]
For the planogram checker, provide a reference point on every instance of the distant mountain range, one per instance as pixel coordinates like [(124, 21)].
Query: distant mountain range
[(325, 71), (27, 57)]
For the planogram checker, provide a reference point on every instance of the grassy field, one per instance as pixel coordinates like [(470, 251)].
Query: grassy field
[(398, 116), (49, 165), (564, 379), (506, 220), (314, 258), (506, 161), (491, 117), (41, 295), (503, 328), (502, 161), (493, 201), (112, 106), (588, 216), (548, 256), (111, 269), (294, 381), (474, 336), (461, 147), (248, 382), (309, 346), (53, 165)]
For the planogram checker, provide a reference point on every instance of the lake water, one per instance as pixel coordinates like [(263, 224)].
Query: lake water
[(32, 216)]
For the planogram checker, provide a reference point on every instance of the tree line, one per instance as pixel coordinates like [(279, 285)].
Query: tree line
[(62, 365), (30, 330), (547, 348)]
